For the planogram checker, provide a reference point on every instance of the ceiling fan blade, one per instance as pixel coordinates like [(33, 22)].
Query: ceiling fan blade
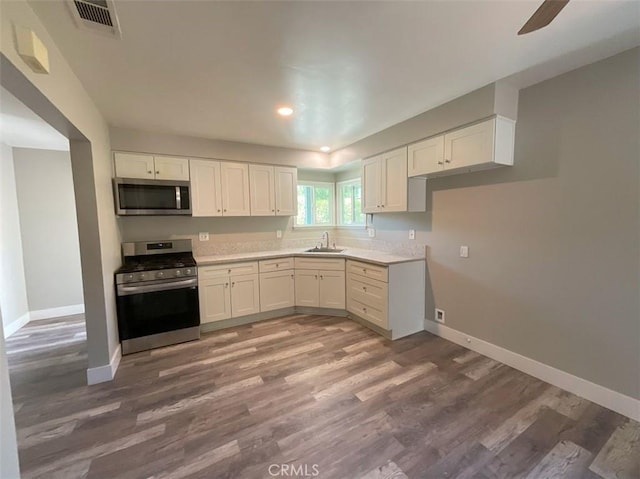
[(543, 16)]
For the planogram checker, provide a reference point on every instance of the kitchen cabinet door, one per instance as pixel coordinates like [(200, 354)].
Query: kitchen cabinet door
[(426, 156), (215, 299), (277, 290), (206, 194), (371, 185), (262, 190), (129, 165), (307, 291), (235, 189), (171, 168), (394, 181), (332, 289), (469, 146), (286, 181), (245, 295)]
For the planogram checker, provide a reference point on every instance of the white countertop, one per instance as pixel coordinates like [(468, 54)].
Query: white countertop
[(349, 253)]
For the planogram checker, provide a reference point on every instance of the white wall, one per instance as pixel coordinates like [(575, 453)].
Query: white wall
[(13, 293), (61, 95), (49, 230)]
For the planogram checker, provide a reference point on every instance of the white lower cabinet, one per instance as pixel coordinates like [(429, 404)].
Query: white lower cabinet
[(277, 290), (320, 283), (228, 291), (388, 297)]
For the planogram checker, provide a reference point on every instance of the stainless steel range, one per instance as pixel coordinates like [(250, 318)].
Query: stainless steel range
[(157, 295)]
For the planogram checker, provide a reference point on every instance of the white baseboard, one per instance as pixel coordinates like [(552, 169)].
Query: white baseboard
[(601, 395), (13, 326), (57, 312), (107, 372)]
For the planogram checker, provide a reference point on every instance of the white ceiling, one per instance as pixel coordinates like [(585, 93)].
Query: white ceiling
[(20, 127), (349, 69)]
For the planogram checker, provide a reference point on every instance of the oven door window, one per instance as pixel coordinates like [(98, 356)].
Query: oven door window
[(157, 312), (147, 197)]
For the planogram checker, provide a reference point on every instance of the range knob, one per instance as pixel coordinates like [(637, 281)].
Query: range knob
[(141, 276), (128, 277), (159, 274), (178, 272), (187, 271)]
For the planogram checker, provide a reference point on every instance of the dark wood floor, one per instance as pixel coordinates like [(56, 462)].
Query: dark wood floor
[(302, 396)]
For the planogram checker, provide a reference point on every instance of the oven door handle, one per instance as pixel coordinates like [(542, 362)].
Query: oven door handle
[(124, 290)]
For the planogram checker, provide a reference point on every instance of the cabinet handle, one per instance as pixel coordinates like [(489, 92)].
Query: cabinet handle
[(226, 285), (292, 277), (150, 172), (277, 265), (225, 210), (321, 277), (316, 276), (157, 172), (278, 211), (218, 210), (229, 271), (440, 163), (273, 210), (233, 284), (447, 161), (364, 289), (364, 310)]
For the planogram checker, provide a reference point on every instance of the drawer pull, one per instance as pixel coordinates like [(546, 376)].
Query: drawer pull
[(364, 288), (226, 285), (233, 284), (364, 310), (229, 271)]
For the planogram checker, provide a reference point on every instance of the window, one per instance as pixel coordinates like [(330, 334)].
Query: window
[(350, 203), (315, 204)]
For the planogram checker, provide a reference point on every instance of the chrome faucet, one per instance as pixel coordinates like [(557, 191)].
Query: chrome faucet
[(325, 235)]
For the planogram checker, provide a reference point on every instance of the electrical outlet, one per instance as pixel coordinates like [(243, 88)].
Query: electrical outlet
[(412, 234), (372, 233), (203, 236), (279, 234), (464, 251), (439, 315)]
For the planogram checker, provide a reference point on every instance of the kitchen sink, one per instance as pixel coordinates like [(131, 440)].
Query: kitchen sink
[(323, 250)]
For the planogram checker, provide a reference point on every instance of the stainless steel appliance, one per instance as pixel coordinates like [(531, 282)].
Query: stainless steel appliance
[(157, 295), (151, 197)]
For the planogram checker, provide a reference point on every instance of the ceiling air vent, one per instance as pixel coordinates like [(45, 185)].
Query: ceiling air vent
[(96, 15)]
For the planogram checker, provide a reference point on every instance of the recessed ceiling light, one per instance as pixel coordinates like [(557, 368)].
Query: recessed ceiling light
[(325, 148), (285, 111)]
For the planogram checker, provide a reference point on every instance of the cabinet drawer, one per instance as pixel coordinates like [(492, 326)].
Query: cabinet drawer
[(329, 264), (366, 311), (367, 291), (277, 264), (233, 269), (368, 270)]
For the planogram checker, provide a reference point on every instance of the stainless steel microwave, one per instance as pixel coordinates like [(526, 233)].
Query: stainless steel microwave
[(151, 197)]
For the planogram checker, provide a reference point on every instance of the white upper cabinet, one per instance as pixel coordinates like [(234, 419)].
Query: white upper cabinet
[(387, 189), (206, 192), (480, 146), (394, 181), (273, 190), (262, 190), (235, 189), (286, 180), (371, 186), (149, 167), (171, 168), (426, 156)]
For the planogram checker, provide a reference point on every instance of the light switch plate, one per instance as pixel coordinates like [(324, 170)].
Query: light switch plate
[(464, 251), (279, 234), (412, 234), (372, 233), (203, 236)]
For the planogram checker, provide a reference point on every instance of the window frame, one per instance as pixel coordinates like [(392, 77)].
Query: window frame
[(332, 204), (338, 203)]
